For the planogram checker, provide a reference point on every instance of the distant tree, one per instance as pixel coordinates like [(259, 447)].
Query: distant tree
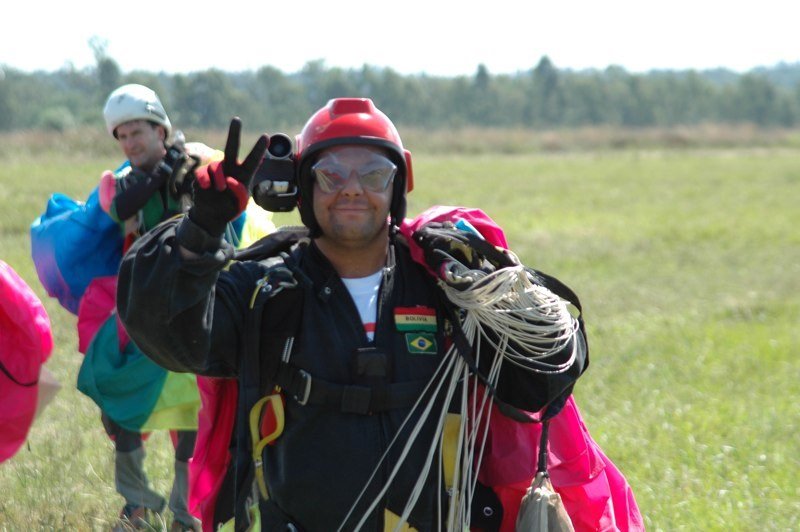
[(795, 99), (481, 106), (280, 100), (585, 101), (206, 99), (30, 95), (108, 72), (482, 78), (637, 107), (6, 106), (311, 78), (543, 97), (755, 100), (683, 98), (545, 103), (58, 118), (510, 100), (392, 95), (415, 100)]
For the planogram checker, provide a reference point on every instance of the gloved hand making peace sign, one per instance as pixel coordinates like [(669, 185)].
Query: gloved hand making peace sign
[(221, 188)]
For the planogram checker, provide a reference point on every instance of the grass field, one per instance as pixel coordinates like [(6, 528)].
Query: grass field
[(687, 262)]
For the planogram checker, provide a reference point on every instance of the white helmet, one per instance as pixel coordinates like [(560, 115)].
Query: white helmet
[(134, 102)]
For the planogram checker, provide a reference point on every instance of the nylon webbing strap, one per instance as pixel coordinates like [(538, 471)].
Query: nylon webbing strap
[(557, 287), (272, 244), (248, 395), (564, 292), (355, 399), (265, 337), (542, 465)]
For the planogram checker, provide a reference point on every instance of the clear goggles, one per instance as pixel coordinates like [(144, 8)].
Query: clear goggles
[(373, 170)]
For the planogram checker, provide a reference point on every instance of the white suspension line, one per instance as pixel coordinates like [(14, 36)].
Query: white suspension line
[(505, 313)]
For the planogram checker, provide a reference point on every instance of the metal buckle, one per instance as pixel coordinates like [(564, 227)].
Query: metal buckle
[(306, 387)]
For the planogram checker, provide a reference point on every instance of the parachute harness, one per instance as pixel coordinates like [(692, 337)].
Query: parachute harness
[(505, 311)]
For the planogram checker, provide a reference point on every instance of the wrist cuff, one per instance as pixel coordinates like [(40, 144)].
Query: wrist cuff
[(195, 238)]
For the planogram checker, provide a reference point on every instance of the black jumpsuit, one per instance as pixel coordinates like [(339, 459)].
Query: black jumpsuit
[(191, 315)]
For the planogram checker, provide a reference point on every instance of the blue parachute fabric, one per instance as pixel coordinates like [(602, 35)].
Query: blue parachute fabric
[(72, 243), (238, 225)]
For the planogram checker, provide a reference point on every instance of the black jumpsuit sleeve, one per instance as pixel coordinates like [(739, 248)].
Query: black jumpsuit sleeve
[(187, 315)]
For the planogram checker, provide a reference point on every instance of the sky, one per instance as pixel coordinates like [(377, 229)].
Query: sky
[(435, 37)]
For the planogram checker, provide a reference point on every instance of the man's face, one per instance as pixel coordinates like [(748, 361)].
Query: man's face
[(142, 142), (352, 193)]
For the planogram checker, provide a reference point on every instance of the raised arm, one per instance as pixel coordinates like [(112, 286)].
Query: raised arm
[(132, 193), (178, 311), (176, 305)]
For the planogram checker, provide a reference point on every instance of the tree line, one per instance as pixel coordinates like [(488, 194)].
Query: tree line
[(543, 97)]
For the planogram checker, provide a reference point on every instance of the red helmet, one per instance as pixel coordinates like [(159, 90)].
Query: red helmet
[(351, 121)]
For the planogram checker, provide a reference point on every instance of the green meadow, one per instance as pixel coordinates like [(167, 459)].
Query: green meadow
[(686, 257)]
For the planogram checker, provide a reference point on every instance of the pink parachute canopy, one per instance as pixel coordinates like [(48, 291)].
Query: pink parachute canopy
[(26, 342)]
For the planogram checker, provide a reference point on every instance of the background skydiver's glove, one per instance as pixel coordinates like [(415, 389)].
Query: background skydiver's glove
[(134, 190), (221, 188), (460, 257), (179, 166)]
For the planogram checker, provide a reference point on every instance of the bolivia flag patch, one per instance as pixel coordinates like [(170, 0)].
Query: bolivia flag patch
[(421, 343), (415, 319)]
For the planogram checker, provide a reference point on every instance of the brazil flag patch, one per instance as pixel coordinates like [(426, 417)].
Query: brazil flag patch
[(421, 343)]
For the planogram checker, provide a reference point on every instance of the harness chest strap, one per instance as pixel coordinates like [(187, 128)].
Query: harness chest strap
[(348, 398)]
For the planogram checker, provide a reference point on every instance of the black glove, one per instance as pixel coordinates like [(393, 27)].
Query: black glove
[(135, 189), (179, 166), (459, 257), (222, 188)]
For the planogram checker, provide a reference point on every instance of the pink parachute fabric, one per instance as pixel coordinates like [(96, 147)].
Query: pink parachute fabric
[(595, 493), (26, 342), (212, 457), (97, 305), (443, 213)]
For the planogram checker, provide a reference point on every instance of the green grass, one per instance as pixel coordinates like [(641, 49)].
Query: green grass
[(688, 266)]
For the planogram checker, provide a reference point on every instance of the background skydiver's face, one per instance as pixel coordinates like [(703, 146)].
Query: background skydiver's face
[(142, 142)]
